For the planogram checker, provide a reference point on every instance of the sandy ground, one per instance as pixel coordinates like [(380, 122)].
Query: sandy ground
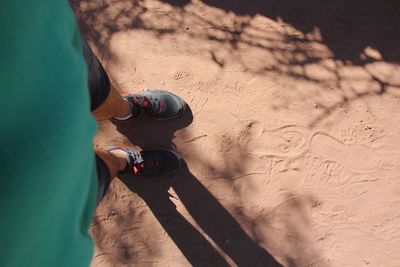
[(291, 141)]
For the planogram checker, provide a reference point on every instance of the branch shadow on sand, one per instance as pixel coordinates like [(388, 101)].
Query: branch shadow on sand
[(203, 207), (330, 37), (336, 38)]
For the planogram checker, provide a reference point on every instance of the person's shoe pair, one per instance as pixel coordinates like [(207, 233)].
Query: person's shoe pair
[(156, 104)]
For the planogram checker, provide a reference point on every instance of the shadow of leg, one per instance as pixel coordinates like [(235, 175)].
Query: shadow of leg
[(211, 216), (216, 221), (197, 250)]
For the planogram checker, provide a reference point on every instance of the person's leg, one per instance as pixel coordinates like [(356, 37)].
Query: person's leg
[(149, 162), (108, 164), (107, 102), (152, 162), (119, 161), (115, 160), (157, 104), (114, 106)]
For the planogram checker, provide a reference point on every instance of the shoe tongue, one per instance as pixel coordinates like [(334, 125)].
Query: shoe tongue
[(135, 158)]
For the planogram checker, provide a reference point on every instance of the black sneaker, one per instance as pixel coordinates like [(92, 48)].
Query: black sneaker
[(153, 162), (159, 104)]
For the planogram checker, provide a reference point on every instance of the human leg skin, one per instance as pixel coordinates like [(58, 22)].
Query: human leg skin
[(113, 106), (115, 160)]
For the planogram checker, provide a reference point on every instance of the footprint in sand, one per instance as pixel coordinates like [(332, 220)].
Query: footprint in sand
[(353, 246), (286, 140), (353, 157), (325, 171), (181, 74)]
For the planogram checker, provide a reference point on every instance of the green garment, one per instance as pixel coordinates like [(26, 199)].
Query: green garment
[(47, 168)]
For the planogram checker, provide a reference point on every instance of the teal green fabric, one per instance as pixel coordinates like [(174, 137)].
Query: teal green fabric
[(48, 177)]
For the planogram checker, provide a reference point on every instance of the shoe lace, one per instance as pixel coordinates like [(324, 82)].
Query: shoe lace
[(148, 104)]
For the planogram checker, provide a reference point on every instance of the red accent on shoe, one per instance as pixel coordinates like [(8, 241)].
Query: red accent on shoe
[(138, 167), (135, 170)]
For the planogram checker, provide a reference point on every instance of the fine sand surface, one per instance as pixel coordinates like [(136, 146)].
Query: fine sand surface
[(291, 141)]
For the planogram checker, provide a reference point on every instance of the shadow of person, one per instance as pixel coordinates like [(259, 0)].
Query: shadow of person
[(209, 214), (217, 222), (196, 249)]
